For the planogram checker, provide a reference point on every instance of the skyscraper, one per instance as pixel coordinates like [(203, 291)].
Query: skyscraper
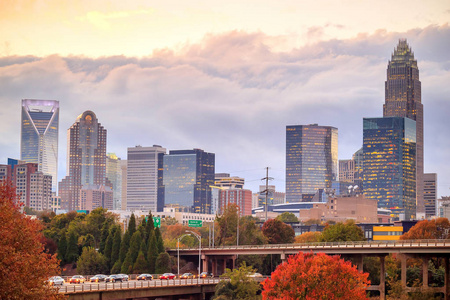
[(403, 99), (188, 177), (114, 175), (39, 136), (430, 192), (145, 178), (311, 160), (389, 170), (86, 159)]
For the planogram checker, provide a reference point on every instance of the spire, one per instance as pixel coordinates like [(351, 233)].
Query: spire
[(403, 54)]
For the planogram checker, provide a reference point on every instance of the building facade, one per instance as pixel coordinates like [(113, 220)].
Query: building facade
[(93, 196), (430, 194), (403, 98), (86, 159), (311, 159), (273, 197), (188, 177), (241, 197), (389, 146), (39, 136), (145, 189), (114, 175)]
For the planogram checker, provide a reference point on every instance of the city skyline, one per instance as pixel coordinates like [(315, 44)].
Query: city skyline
[(231, 91)]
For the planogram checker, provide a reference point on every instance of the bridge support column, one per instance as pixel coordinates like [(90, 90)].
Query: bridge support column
[(214, 266), (205, 263), (283, 257), (403, 274), (382, 287), (425, 272), (359, 262), (233, 258)]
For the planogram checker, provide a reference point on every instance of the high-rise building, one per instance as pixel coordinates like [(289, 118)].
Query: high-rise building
[(114, 175), (86, 159), (224, 180), (145, 189), (93, 196), (389, 170), (273, 197), (123, 168), (241, 197), (188, 177), (39, 136), (403, 99), (430, 193), (311, 160)]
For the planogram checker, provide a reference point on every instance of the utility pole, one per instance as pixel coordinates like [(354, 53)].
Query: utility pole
[(266, 191)]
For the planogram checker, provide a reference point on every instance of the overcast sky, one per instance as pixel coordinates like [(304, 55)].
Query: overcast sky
[(222, 76)]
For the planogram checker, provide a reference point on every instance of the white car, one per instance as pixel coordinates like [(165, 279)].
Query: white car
[(56, 280), (124, 277)]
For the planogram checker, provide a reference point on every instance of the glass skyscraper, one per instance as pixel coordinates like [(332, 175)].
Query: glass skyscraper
[(86, 159), (39, 136), (311, 160), (389, 171), (188, 177), (403, 99)]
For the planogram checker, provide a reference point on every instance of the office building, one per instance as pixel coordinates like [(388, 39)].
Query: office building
[(311, 160), (39, 136), (403, 99), (86, 159), (123, 168), (145, 178), (188, 177), (241, 197), (429, 194), (389, 171), (273, 197), (93, 196), (224, 180), (114, 175)]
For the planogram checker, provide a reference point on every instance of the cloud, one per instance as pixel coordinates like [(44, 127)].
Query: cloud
[(233, 95)]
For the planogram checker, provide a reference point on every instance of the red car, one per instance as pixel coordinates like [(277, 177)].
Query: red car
[(77, 279), (167, 276)]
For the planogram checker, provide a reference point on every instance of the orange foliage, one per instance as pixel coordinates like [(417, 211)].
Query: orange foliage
[(429, 229), (24, 266), (315, 276), (308, 237)]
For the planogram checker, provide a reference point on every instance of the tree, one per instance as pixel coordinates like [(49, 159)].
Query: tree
[(278, 232), (152, 253), (308, 237), (287, 217), (227, 226), (88, 241), (62, 247), (91, 262), (342, 232), (163, 263), (429, 229), (132, 253), (315, 276), (249, 232), (132, 224), (115, 251), (240, 286), (140, 266), (72, 248), (104, 236), (159, 241), (24, 266), (124, 245)]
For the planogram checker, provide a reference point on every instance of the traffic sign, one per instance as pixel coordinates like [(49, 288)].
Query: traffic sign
[(157, 221), (195, 223)]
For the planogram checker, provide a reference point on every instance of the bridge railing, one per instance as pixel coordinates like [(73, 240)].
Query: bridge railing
[(325, 245)]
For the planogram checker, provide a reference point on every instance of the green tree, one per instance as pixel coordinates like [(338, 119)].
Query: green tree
[(104, 236), (132, 224), (72, 248), (341, 232), (249, 232), (132, 253), (227, 226), (240, 286), (108, 246), (62, 247), (88, 241), (141, 265), (163, 263), (159, 241), (124, 245), (91, 262), (116, 268), (115, 251), (278, 232), (152, 253), (287, 217)]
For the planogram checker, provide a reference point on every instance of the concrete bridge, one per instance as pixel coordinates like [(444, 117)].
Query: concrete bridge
[(217, 259)]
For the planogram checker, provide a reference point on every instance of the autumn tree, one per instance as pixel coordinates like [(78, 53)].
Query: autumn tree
[(240, 286), (278, 232), (429, 229), (342, 232), (287, 217), (316, 276), (227, 226), (24, 266), (308, 237)]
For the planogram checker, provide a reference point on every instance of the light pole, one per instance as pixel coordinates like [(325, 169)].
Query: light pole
[(199, 249), (178, 250)]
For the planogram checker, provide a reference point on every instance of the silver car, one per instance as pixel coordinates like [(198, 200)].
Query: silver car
[(56, 280)]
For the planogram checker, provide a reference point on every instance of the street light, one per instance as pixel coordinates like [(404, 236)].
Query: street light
[(178, 250), (199, 248)]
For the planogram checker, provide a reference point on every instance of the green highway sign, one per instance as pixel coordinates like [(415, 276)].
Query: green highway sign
[(195, 223), (157, 221)]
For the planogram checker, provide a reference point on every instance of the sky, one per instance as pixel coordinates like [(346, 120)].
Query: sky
[(223, 76)]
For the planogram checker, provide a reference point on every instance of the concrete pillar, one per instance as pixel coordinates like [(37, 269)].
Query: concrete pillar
[(425, 272), (359, 262), (233, 258), (446, 280), (283, 257), (214, 266), (224, 265), (403, 275), (382, 278), (205, 262)]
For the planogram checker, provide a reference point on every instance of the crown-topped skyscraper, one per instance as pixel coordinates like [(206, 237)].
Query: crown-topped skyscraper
[(403, 99)]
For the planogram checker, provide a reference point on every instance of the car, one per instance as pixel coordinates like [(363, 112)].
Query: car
[(187, 275), (145, 277), (206, 275), (124, 277), (98, 278), (55, 280), (255, 275), (114, 278), (77, 279), (167, 276)]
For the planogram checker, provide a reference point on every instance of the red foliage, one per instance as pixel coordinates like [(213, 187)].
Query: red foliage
[(429, 229), (24, 266), (316, 276), (278, 232)]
